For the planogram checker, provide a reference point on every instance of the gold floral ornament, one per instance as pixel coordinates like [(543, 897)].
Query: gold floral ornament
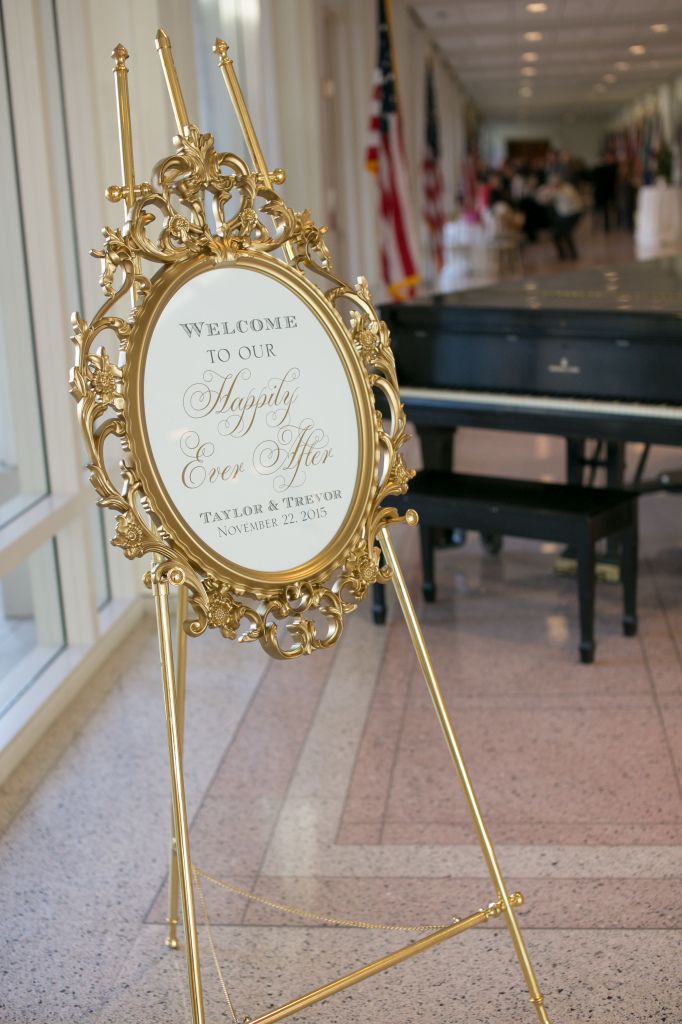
[(205, 205), (103, 378), (400, 475), (130, 536), (226, 614), (369, 335), (365, 567)]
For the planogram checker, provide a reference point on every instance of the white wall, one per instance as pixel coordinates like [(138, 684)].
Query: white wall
[(582, 137)]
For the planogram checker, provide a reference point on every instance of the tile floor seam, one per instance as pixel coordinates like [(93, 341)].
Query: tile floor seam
[(665, 613), (491, 926), (396, 752), (410, 690), (530, 821), (375, 683), (211, 782), (662, 722), (258, 874)]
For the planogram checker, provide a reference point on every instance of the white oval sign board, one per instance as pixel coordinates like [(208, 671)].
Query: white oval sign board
[(250, 419)]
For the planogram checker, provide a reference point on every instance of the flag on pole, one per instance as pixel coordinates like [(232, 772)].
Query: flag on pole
[(386, 159), (432, 177)]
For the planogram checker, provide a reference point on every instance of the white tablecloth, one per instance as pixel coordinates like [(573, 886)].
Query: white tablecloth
[(659, 219), (467, 254)]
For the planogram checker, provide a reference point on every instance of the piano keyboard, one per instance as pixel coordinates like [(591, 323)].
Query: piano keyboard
[(539, 403)]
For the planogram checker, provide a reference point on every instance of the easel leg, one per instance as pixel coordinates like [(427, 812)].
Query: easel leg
[(180, 686), (180, 827), (417, 637)]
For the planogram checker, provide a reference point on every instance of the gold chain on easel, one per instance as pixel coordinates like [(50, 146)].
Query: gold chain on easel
[(309, 915), (211, 942), (287, 909)]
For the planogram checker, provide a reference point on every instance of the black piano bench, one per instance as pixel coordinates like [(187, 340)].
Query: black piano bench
[(573, 515)]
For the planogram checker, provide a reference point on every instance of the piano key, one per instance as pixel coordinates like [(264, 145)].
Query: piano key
[(607, 407)]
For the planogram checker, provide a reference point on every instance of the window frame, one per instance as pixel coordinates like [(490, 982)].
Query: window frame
[(50, 239)]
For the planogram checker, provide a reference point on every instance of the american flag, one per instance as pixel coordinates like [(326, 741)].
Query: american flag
[(432, 177), (386, 159)]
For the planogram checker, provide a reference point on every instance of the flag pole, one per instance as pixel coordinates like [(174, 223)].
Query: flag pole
[(388, 11)]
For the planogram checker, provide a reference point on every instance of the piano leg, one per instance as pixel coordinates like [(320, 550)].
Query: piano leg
[(628, 569), (575, 461), (438, 452), (438, 447), (586, 588), (428, 585), (566, 564), (615, 464), (610, 563)]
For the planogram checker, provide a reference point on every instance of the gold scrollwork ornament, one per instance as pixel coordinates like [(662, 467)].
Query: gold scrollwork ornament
[(167, 225)]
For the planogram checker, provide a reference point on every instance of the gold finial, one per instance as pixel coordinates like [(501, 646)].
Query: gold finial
[(163, 45), (220, 47), (120, 55), (234, 91)]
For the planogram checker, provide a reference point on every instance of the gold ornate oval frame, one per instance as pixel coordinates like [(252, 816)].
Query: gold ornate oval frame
[(318, 568), (169, 226)]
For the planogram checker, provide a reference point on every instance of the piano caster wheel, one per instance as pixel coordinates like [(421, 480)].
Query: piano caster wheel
[(492, 543), (429, 592), (458, 539), (630, 627), (587, 653)]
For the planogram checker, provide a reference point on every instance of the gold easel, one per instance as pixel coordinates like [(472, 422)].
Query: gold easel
[(166, 574)]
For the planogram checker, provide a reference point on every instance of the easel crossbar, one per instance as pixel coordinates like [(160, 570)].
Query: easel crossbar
[(384, 962)]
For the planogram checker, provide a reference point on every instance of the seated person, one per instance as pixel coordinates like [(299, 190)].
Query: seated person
[(565, 206)]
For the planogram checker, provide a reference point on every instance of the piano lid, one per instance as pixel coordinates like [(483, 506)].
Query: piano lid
[(598, 333), (649, 286)]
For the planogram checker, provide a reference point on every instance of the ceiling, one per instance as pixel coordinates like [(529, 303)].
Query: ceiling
[(582, 40)]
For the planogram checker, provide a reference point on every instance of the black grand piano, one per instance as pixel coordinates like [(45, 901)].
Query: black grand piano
[(586, 354)]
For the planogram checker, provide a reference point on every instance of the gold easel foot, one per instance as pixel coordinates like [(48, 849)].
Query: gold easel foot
[(172, 940)]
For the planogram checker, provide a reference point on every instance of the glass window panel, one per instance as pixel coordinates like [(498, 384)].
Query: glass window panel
[(222, 18), (23, 473), (98, 539), (31, 622)]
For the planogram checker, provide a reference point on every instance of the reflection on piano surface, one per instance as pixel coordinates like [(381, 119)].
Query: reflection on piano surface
[(586, 354)]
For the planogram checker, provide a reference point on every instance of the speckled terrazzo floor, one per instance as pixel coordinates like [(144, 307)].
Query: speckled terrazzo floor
[(326, 785)]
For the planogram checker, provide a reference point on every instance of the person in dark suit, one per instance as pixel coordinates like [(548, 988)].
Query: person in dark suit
[(604, 181)]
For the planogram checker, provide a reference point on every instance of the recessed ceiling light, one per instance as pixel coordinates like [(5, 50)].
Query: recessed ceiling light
[(637, 50), (536, 8), (610, 77), (530, 57), (528, 72), (525, 91), (660, 27), (621, 65), (532, 37)]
